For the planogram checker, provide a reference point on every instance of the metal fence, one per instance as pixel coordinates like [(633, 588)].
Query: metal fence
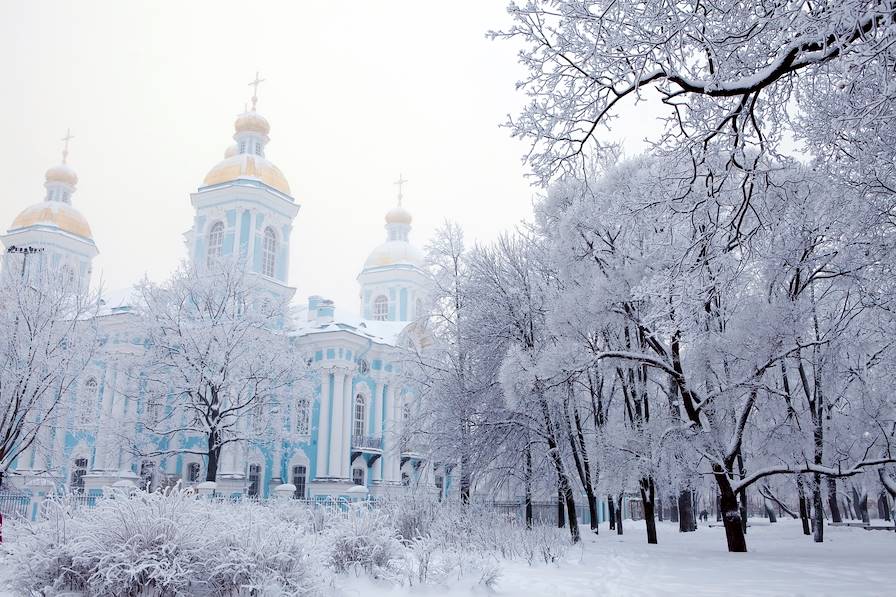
[(15, 505)]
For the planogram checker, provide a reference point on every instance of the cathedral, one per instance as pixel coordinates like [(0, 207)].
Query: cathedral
[(344, 441)]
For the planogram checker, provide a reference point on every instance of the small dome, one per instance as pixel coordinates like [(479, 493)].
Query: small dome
[(398, 215), (395, 252), (244, 165), (54, 214), (231, 151), (62, 173), (252, 122)]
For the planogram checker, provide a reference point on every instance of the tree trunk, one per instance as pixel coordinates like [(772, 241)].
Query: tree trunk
[(883, 506), (686, 520), (611, 510), (561, 515), (465, 478), (772, 519), (214, 456), (592, 509), (528, 475), (818, 505), (861, 501), (619, 514), (833, 503), (734, 531), (647, 496), (804, 507), (659, 508), (673, 509)]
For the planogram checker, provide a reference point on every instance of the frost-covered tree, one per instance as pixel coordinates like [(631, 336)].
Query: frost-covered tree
[(47, 336), (731, 74), (218, 362)]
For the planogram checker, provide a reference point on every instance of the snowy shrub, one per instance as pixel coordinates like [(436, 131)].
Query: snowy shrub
[(364, 538), (167, 544)]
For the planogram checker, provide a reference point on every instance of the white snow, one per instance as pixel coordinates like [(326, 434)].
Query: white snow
[(781, 561)]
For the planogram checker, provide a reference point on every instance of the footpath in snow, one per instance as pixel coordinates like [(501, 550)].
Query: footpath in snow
[(781, 561)]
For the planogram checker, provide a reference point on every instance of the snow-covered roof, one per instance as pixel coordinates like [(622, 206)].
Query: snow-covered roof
[(381, 332), (119, 300)]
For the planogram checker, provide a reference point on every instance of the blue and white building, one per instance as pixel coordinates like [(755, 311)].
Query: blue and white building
[(344, 438)]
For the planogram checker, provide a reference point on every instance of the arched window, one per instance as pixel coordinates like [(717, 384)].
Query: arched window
[(79, 469), (299, 479), (194, 472), (381, 308), (215, 242), (269, 252), (88, 402), (360, 419), (303, 416), (254, 479)]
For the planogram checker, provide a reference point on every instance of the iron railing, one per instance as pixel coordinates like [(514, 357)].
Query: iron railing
[(367, 441)]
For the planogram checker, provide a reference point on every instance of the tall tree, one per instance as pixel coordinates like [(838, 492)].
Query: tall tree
[(219, 360)]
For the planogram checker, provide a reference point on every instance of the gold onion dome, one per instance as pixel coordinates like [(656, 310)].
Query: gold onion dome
[(398, 215), (54, 214), (395, 252), (244, 165), (62, 173), (252, 122)]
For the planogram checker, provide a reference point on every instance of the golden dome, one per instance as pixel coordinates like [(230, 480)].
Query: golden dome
[(253, 167), (395, 252), (398, 215), (55, 214), (62, 173), (252, 122)]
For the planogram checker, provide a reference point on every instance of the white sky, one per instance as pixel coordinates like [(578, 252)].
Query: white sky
[(355, 94)]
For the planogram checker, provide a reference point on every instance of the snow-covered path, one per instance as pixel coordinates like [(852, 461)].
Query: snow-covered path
[(781, 561)]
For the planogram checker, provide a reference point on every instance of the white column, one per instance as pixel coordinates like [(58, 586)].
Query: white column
[(348, 402), (392, 450), (376, 415), (338, 428), (323, 426), (101, 462)]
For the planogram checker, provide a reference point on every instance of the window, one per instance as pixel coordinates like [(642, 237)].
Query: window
[(359, 427), (242, 147), (358, 476), (79, 469), (405, 479), (257, 415), (381, 308), (215, 242), (440, 485), (88, 402), (254, 479), (303, 413), (268, 253), (194, 472), (299, 477), (258, 149)]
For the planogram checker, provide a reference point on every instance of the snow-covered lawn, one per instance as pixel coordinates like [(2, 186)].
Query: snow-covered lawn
[(781, 561)]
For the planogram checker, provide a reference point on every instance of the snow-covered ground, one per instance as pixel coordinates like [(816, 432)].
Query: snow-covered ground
[(781, 561)]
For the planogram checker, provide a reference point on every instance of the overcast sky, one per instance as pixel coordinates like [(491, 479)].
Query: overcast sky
[(356, 93)]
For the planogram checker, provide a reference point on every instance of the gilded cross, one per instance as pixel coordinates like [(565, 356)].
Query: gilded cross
[(254, 85), (68, 137), (400, 183)]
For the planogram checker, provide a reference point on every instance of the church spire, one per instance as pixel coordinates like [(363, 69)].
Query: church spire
[(61, 179)]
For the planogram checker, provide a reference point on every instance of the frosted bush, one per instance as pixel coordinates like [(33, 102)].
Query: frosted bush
[(364, 538), (166, 544)]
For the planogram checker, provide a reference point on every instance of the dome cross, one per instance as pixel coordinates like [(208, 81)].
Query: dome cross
[(400, 184), (254, 85), (68, 137)]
